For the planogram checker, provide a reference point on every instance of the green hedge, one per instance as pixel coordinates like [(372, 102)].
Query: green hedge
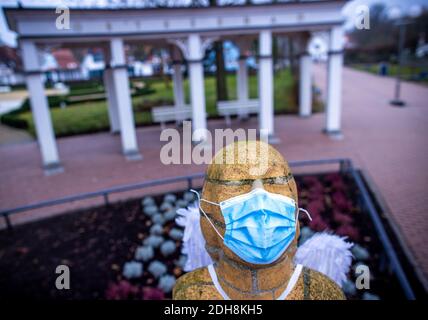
[(14, 121), (55, 101), (87, 117), (13, 118), (84, 91), (86, 84)]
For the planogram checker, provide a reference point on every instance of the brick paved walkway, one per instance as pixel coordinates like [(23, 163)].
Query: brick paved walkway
[(388, 143)]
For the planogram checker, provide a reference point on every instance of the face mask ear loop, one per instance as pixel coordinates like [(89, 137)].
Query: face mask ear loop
[(199, 198), (206, 216), (307, 213)]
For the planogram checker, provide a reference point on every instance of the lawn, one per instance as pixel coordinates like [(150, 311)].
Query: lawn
[(411, 73), (93, 117)]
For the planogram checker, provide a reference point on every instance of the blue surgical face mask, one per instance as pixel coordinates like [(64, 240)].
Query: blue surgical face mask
[(260, 225)]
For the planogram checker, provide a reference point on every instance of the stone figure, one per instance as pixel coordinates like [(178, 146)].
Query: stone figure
[(242, 266)]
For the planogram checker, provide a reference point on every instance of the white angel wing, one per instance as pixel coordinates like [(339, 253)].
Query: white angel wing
[(328, 254), (193, 240)]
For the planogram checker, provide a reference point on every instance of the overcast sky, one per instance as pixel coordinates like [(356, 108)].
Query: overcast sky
[(349, 10)]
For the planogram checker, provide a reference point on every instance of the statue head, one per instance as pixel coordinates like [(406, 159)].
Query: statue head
[(237, 169)]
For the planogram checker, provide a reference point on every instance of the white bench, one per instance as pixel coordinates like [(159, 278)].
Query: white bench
[(241, 108), (171, 113)]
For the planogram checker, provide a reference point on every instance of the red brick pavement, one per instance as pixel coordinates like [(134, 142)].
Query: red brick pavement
[(388, 143)]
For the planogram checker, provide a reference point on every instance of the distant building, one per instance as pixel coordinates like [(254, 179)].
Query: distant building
[(65, 59), (9, 63)]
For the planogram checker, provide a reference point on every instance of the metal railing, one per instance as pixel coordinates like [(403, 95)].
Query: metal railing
[(345, 165), (383, 236), (104, 193)]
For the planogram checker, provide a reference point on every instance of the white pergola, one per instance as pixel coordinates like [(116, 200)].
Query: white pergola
[(189, 31)]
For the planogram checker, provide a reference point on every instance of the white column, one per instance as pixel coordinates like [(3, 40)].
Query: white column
[(111, 100), (242, 85), (334, 82), (266, 114), (40, 108), (242, 73), (177, 77), (197, 88), (123, 99), (305, 86), (242, 79)]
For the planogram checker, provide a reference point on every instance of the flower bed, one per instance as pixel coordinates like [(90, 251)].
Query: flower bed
[(131, 250)]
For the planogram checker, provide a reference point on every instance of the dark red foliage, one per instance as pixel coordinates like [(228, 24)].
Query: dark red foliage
[(349, 231), (338, 185), (316, 187), (316, 195), (310, 180), (333, 177), (341, 202), (153, 293), (122, 290), (315, 208), (318, 224), (341, 218)]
